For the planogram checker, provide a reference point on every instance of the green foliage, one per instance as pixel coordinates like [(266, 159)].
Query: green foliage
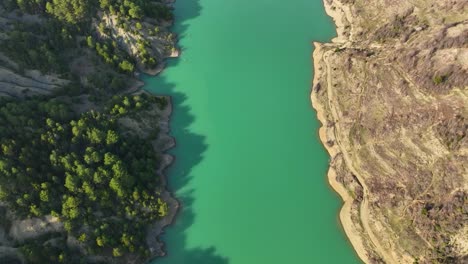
[(71, 11), (163, 208), (78, 165), (44, 46), (144, 55), (90, 42), (138, 26), (112, 55), (70, 208), (137, 9), (104, 4), (35, 46), (84, 168), (39, 252), (125, 105), (126, 66), (29, 6), (438, 79), (117, 252)]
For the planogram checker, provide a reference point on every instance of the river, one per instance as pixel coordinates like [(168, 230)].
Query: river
[(250, 170)]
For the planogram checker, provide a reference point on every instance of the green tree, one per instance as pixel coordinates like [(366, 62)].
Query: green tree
[(163, 208), (90, 42), (116, 185), (117, 252), (44, 195), (138, 26), (112, 137), (104, 4), (89, 191), (95, 135), (126, 66), (101, 241), (135, 12), (110, 158), (71, 182), (71, 11), (70, 208)]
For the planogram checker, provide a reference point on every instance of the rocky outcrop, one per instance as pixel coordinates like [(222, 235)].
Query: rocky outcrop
[(142, 39), (30, 82)]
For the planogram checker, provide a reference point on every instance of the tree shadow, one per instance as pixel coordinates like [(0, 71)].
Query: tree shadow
[(188, 153)]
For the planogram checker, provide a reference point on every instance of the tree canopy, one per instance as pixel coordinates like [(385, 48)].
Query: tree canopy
[(68, 154), (71, 11), (84, 168)]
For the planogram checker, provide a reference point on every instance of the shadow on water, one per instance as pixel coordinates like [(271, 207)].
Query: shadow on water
[(188, 153)]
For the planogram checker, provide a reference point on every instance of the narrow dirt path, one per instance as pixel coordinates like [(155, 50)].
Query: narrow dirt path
[(364, 207)]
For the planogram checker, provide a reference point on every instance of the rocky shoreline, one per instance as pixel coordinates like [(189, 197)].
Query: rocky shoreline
[(326, 135), (162, 144)]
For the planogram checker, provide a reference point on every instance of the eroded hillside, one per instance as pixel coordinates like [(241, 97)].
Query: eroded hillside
[(392, 90), (95, 49)]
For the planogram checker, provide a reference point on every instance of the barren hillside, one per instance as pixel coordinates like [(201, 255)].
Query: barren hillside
[(392, 92)]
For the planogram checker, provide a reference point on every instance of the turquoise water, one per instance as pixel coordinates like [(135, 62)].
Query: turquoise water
[(249, 169)]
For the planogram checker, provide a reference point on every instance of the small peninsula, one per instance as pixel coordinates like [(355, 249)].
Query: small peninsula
[(391, 91), (82, 149)]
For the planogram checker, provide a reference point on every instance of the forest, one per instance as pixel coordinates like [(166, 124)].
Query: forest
[(80, 165), (82, 169)]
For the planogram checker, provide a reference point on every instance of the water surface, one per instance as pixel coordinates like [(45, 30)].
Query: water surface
[(249, 170)]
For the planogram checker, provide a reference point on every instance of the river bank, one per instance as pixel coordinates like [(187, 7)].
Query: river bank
[(341, 17), (327, 137), (162, 144), (354, 216)]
